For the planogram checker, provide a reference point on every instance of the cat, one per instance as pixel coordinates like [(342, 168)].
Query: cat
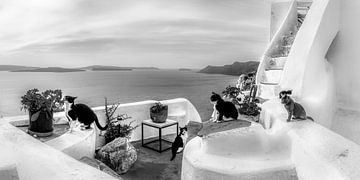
[(179, 144), (226, 110), (294, 109), (83, 113)]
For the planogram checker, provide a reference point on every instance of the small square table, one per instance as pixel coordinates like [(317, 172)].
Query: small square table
[(159, 126)]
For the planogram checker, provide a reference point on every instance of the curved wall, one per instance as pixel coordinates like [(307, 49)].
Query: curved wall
[(307, 71), (344, 56)]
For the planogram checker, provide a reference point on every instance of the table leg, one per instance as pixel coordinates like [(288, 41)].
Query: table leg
[(177, 129), (160, 138), (142, 134)]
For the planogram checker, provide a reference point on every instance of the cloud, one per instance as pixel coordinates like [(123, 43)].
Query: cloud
[(115, 28)]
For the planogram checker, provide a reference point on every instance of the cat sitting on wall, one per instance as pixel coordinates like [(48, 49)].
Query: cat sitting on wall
[(80, 112), (223, 110), (294, 109)]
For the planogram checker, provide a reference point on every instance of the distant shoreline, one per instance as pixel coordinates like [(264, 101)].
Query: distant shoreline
[(235, 69), (16, 68)]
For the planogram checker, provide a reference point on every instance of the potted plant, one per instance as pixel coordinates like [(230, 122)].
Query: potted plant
[(115, 124), (41, 107), (118, 153), (159, 113), (231, 93)]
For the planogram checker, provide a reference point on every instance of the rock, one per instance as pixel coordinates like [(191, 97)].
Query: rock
[(119, 155)]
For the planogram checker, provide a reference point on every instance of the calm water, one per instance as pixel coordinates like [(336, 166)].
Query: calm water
[(121, 86)]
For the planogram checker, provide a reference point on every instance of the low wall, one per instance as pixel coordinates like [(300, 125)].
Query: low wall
[(179, 109), (34, 160), (317, 152), (243, 153), (77, 144)]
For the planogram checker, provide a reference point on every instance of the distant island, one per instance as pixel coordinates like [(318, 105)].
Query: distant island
[(17, 68), (48, 69), (234, 69), (111, 69), (184, 69), (115, 68), (106, 68)]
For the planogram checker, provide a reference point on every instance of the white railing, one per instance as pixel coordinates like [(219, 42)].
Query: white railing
[(306, 71), (288, 24)]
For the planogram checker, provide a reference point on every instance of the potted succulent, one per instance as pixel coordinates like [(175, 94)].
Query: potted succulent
[(159, 113), (41, 107)]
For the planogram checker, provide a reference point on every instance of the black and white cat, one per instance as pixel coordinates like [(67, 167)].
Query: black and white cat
[(81, 112), (223, 110), (179, 144)]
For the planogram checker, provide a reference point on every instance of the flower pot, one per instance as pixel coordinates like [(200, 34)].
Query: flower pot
[(41, 123), (160, 116)]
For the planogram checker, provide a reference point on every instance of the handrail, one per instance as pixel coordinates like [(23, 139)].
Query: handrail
[(306, 71), (311, 44), (284, 28)]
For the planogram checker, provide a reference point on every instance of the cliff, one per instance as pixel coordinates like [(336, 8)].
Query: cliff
[(234, 69)]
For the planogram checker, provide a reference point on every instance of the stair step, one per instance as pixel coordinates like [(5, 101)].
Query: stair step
[(268, 91), (304, 4), (272, 68), (276, 63), (303, 8), (267, 83), (272, 76)]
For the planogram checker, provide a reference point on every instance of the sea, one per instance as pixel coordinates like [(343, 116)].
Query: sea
[(91, 87)]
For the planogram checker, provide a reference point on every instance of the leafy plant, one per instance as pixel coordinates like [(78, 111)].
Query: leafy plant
[(50, 100), (158, 107), (231, 92), (116, 127), (249, 106)]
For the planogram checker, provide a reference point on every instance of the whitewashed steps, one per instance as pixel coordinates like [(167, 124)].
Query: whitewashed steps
[(276, 63), (272, 76), (268, 91), (303, 7)]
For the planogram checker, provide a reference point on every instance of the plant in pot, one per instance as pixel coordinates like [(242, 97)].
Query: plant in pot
[(231, 93), (118, 153), (116, 127), (158, 113), (41, 106)]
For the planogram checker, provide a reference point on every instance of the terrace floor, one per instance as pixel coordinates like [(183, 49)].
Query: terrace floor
[(152, 165)]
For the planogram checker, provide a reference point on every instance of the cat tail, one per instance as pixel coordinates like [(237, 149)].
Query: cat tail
[(99, 125), (173, 150), (308, 117)]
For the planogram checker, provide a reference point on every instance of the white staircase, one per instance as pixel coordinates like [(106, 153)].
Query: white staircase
[(269, 85)]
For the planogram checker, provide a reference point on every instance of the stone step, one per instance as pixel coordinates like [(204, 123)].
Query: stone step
[(272, 76), (268, 91), (304, 4), (276, 63)]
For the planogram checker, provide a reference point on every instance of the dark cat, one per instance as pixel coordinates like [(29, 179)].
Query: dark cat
[(225, 109), (179, 143), (83, 113), (294, 109)]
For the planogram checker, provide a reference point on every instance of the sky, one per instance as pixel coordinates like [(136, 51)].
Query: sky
[(157, 33)]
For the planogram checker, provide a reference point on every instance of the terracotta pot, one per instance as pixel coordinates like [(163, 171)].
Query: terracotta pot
[(41, 123), (159, 117)]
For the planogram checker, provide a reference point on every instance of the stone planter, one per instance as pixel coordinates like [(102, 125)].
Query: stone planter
[(159, 116), (119, 155), (41, 123)]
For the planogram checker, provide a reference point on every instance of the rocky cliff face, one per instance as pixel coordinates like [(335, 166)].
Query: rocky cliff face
[(235, 69)]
